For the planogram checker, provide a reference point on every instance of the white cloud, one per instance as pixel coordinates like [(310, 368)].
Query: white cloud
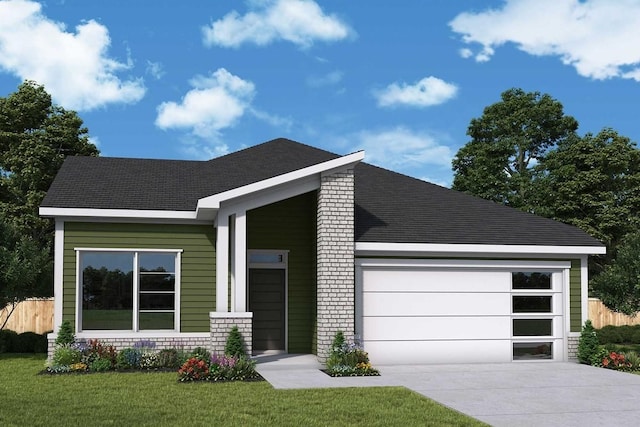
[(427, 92), (74, 67), (597, 37), (402, 149), (329, 79), (284, 123), (301, 22), (155, 69), (215, 102)]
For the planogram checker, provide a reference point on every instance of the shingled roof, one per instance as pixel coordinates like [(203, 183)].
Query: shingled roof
[(390, 207)]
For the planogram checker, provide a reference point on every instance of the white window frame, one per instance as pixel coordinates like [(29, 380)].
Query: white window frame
[(136, 289), (556, 314)]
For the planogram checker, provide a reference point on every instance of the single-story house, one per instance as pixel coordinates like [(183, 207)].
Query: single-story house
[(293, 243)]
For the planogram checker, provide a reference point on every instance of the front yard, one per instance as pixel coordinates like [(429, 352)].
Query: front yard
[(151, 398)]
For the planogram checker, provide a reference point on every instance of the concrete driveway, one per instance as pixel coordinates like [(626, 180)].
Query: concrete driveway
[(511, 394)]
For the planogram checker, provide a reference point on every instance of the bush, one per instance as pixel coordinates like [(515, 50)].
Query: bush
[(168, 358), (194, 369), (235, 344), (25, 342), (200, 353), (7, 340), (65, 334), (100, 365), (65, 355), (129, 358), (588, 344)]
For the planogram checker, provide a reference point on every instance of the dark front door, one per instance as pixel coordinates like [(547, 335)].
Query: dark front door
[(266, 301)]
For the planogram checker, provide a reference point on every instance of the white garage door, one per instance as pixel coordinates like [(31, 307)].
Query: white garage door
[(410, 312)]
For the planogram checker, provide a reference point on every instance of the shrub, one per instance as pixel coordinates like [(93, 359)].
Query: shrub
[(26, 342), (65, 334), (235, 344), (7, 340), (597, 357), (193, 369), (609, 335), (168, 358), (100, 365), (96, 350), (200, 353), (128, 358), (588, 344), (41, 344), (633, 359), (616, 361), (149, 360), (65, 355)]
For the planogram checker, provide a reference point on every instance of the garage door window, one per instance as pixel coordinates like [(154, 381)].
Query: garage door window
[(533, 315)]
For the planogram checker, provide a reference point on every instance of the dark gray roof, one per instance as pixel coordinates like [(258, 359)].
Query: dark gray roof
[(390, 207)]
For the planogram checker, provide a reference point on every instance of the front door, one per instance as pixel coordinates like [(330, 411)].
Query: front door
[(267, 292)]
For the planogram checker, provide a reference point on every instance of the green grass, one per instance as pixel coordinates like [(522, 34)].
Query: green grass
[(158, 399)]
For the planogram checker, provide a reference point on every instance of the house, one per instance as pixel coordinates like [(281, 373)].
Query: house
[(293, 243)]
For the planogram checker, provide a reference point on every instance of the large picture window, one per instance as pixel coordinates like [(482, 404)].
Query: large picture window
[(128, 290)]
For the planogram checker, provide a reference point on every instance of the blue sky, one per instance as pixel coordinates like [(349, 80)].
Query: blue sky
[(401, 80)]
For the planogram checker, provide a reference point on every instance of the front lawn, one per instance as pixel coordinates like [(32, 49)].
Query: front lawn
[(141, 398)]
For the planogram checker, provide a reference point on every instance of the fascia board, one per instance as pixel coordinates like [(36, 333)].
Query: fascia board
[(115, 213), (213, 202), (373, 248)]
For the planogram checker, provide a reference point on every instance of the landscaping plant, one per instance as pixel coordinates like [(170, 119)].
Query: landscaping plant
[(235, 344), (348, 359), (588, 345), (65, 334)]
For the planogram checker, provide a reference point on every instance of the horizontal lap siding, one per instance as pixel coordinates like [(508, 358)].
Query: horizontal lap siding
[(197, 243), (291, 225), (575, 293)]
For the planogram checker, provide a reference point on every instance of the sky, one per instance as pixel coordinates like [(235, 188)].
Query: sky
[(401, 80)]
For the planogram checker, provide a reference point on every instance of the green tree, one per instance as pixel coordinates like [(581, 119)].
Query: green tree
[(618, 286), (24, 269), (593, 183), (35, 137), (508, 139)]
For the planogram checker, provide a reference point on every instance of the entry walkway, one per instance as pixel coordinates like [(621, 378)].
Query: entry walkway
[(510, 394)]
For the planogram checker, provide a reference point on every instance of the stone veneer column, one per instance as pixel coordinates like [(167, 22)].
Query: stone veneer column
[(572, 347), (335, 259), (221, 324)]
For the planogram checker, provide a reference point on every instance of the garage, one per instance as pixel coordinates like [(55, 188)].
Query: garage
[(411, 311)]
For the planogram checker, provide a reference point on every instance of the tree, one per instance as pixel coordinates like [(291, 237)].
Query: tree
[(618, 286), (508, 139), (593, 183), (35, 137), (24, 267)]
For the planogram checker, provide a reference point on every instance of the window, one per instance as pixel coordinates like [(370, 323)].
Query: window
[(128, 290), (533, 308)]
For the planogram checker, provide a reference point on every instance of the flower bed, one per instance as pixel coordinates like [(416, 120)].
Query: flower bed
[(348, 359), (71, 356)]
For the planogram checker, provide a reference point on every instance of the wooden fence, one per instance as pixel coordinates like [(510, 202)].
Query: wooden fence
[(34, 315), (601, 316)]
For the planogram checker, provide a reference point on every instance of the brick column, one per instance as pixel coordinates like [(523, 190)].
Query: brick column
[(221, 324), (335, 259)]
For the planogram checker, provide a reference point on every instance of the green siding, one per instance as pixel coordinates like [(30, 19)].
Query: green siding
[(575, 293), (291, 225), (197, 296)]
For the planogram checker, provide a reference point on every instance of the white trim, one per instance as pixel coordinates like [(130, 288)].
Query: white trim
[(116, 213), (230, 315), (126, 250), (375, 248), (566, 307), (464, 263), (584, 290), (240, 262), (141, 335), (58, 273), (214, 201), (222, 262), (136, 292)]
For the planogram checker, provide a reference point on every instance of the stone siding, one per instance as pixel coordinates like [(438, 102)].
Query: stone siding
[(185, 342), (335, 261), (572, 347), (221, 324)]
